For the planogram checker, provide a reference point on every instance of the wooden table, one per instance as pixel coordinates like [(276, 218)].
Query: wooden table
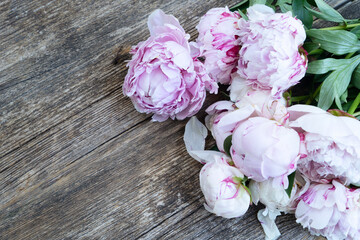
[(77, 160)]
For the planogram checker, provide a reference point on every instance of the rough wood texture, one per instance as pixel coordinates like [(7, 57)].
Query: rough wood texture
[(77, 161)]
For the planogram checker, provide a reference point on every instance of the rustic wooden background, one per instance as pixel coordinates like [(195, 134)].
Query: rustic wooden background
[(77, 160)]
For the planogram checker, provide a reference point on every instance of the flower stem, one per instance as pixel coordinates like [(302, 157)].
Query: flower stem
[(299, 98), (311, 98), (349, 55), (342, 27), (354, 105)]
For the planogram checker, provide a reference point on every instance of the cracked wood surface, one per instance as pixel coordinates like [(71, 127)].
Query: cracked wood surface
[(76, 159)]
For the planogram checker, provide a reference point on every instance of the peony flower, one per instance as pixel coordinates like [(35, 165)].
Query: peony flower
[(331, 210), (263, 149), (225, 116), (219, 43), (331, 145), (269, 57), (221, 184), (163, 78)]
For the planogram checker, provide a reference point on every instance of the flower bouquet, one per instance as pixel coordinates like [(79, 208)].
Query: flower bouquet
[(288, 134)]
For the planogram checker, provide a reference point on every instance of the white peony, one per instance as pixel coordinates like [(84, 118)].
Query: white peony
[(224, 193)]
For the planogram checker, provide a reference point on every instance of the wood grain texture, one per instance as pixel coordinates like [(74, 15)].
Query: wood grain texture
[(77, 161)]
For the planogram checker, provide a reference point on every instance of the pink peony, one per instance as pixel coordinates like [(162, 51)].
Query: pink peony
[(331, 143), (331, 210), (224, 194), (263, 149), (269, 56), (219, 43), (163, 78), (225, 116)]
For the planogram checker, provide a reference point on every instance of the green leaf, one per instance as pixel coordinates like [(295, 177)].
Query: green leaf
[(299, 11), (253, 2), (279, 2), (285, 5), (311, 2), (321, 15), (291, 179), (285, 8), (310, 47), (325, 65), (356, 31), (243, 15), (338, 102), (338, 42), (237, 6), (227, 145), (326, 12), (356, 77), (336, 83), (344, 96)]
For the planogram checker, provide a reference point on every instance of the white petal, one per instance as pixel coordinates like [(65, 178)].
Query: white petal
[(158, 19), (206, 156), (267, 220), (238, 88), (194, 136), (299, 110)]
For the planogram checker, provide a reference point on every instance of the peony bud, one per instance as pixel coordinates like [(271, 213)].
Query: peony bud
[(224, 194)]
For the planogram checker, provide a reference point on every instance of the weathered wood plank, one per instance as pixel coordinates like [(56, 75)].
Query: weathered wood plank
[(67, 52), (96, 168), (110, 118), (126, 181), (122, 189), (57, 57)]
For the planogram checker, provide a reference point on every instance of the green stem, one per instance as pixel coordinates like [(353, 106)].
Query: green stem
[(299, 98), (342, 27), (349, 55), (316, 51), (308, 102), (354, 105)]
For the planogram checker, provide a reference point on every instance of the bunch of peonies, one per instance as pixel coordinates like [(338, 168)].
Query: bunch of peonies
[(297, 159), (166, 77)]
